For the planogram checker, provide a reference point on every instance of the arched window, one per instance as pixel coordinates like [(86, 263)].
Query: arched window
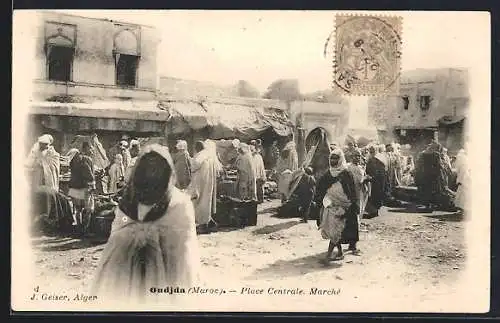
[(126, 53), (59, 50)]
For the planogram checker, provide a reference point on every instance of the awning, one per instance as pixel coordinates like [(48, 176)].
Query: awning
[(226, 120), (278, 120), (179, 117), (236, 121), (129, 116), (449, 120), (186, 116), (131, 110), (89, 124)]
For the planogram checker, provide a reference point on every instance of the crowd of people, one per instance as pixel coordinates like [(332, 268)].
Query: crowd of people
[(167, 199), (197, 175), (359, 182)]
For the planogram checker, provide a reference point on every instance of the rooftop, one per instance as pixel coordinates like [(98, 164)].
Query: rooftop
[(55, 12), (424, 75)]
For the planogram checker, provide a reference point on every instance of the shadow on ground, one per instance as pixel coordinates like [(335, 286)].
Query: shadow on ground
[(271, 209), (410, 208), (271, 228), (65, 244), (294, 267), (453, 216), (47, 240), (450, 217), (227, 229)]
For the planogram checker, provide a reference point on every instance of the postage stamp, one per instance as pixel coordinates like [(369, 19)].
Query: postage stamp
[(367, 59)]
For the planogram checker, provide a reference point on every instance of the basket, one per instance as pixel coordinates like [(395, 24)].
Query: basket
[(247, 213), (251, 213), (101, 226), (406, 193), (236, 213)]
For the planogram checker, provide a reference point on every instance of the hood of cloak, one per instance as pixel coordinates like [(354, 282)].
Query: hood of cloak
[(151, 182)]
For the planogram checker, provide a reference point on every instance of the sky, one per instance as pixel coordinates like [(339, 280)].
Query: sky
[(261, 46)]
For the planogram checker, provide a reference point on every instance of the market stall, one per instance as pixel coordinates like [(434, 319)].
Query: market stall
[(224, 121)]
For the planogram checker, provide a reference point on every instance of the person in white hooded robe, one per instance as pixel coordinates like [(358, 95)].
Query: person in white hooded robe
[(153, 241), (43, 163)]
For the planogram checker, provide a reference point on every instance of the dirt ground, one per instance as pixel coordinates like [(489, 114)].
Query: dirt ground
[(407, 259)]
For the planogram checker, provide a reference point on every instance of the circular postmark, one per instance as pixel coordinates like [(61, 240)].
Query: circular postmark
[(367, 54)]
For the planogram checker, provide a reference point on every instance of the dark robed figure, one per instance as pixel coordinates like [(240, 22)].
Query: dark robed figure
[(376, 171)]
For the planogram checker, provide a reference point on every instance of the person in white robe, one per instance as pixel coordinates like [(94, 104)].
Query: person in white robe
[(44, 164), (246, 185), (203, 186), (153, 241), (211, 146), (290, 158), (116, 174), (125, 153), (260, 172), (182, 163), (287, 164), (135, 148)]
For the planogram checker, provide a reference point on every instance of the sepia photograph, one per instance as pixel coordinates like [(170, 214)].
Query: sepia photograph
[(251, 161)]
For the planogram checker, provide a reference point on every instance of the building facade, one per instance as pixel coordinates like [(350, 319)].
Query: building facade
[(89, 57), (433, 104), (94, 76)]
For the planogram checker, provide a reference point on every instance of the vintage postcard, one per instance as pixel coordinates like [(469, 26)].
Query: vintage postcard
[(243, 161)]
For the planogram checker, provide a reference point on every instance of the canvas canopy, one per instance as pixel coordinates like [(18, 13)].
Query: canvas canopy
[(180, 117), (226, 120)]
